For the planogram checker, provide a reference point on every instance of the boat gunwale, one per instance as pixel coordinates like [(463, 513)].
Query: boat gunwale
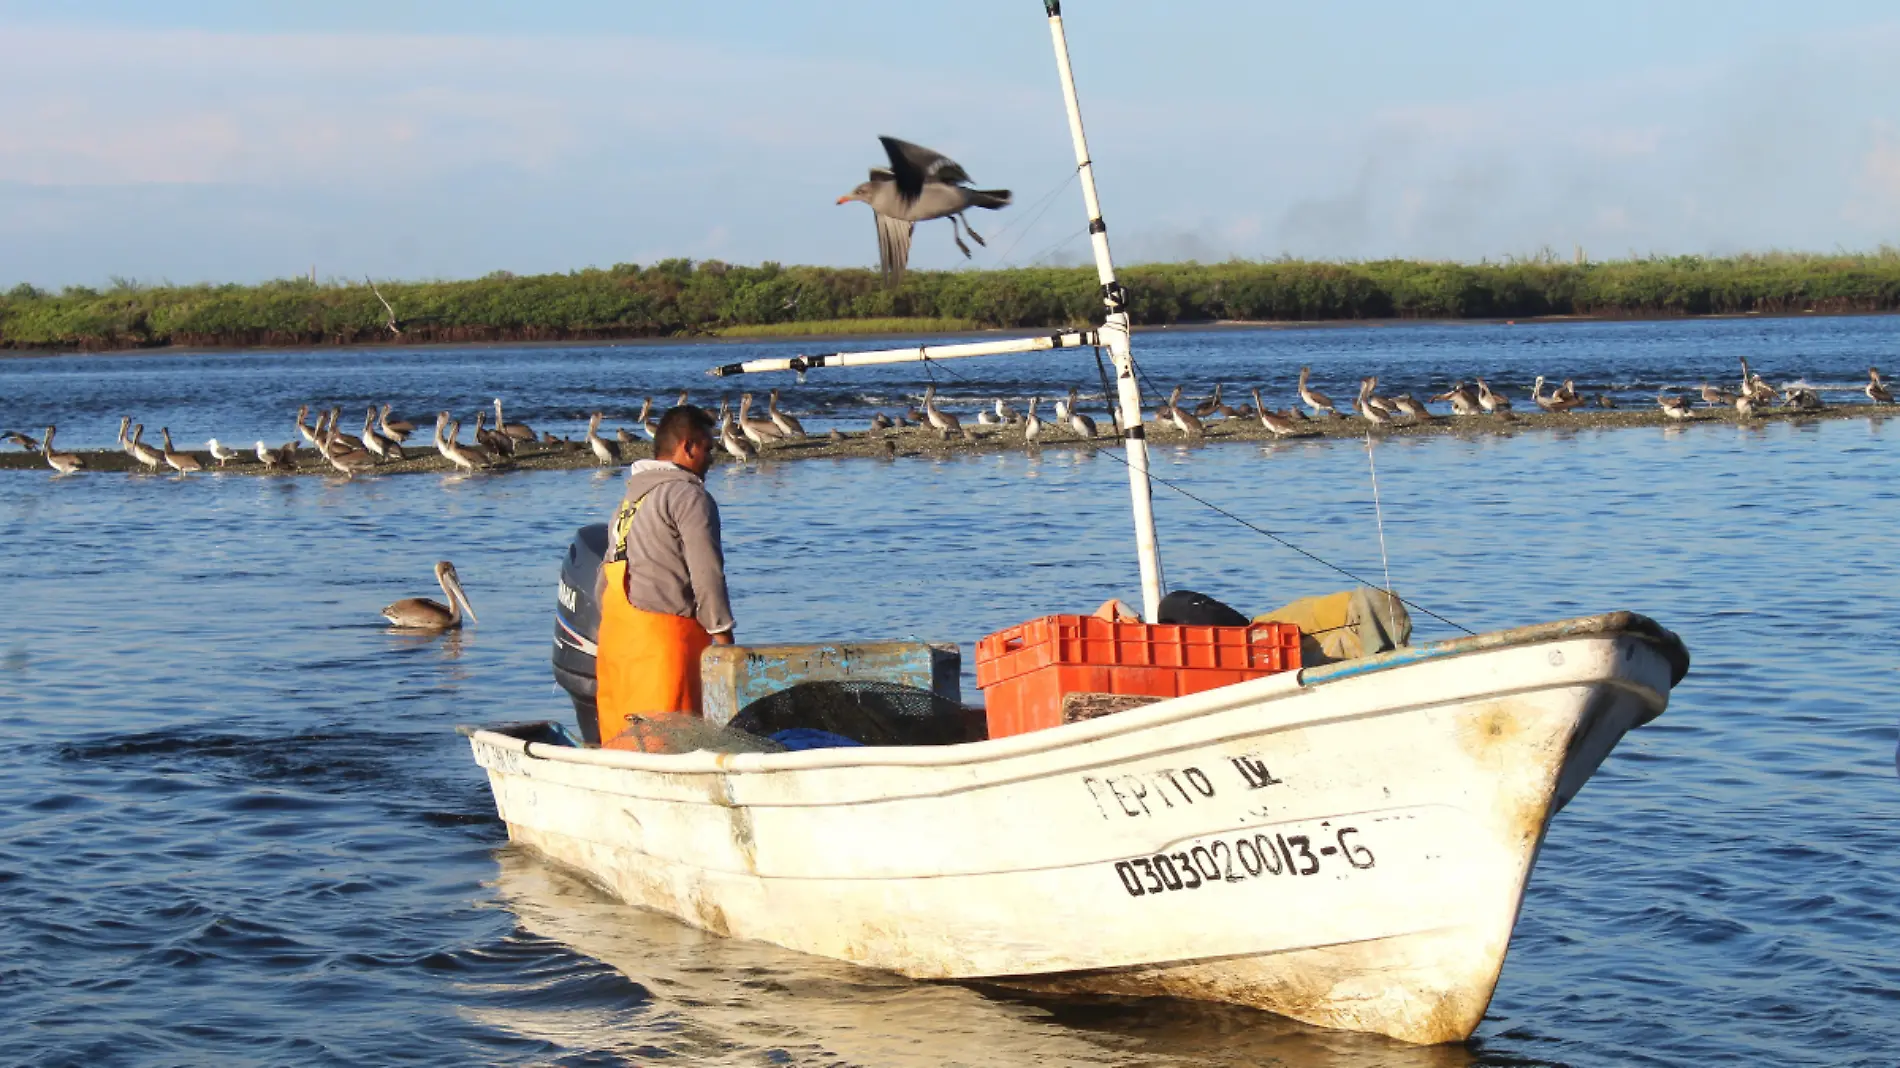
[(1610, 625)]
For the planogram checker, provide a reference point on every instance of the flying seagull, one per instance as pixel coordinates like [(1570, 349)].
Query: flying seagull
[(919, 184)]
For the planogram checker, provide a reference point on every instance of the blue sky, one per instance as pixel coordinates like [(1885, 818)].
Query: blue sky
[(239, 141)]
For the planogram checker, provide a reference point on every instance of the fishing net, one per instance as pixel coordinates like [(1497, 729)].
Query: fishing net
[(865, 711)]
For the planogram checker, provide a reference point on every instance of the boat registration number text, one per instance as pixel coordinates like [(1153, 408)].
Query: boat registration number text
[(1261, 855)]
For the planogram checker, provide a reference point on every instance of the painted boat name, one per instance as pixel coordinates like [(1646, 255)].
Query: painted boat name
[(1130, 794)]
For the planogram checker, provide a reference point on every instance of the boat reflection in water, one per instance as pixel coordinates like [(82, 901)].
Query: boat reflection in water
[(713, 1000)]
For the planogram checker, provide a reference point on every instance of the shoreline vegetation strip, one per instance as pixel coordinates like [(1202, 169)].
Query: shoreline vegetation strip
[(914, 441), (708, 299)]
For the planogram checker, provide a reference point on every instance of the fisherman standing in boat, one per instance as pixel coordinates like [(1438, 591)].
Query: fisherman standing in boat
[(664, 597)]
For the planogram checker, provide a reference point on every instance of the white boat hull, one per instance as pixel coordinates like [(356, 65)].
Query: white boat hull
[(1347, 846)]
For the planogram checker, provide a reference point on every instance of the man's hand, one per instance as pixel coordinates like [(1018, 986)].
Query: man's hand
[(722, 638)]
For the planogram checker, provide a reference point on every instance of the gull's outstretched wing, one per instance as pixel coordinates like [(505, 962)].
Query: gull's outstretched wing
[(913, 165), (893, 247)]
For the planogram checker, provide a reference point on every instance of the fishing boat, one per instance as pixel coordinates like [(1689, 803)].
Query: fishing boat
[(1346, 844)]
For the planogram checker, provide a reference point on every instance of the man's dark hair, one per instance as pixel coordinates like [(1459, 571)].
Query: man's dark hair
[(679, 426)]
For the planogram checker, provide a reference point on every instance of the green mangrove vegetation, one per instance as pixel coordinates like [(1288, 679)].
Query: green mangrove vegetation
[(681, 298)]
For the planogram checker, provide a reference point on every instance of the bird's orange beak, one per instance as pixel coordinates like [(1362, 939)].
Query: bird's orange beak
[(846, 199)]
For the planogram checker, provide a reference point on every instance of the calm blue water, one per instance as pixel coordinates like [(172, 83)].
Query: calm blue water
[(239, 826), (243, 396)]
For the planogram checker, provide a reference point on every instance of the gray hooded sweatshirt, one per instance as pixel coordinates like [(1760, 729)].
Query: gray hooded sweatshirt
[(675, 565)]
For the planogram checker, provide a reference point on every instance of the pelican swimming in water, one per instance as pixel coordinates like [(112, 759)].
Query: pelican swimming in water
[(1876, 389), (63, 462), (182, 462), (421, 613), (1313, 398), (788, 425)]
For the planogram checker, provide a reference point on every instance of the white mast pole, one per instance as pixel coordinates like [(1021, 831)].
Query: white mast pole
[(1114, 335)]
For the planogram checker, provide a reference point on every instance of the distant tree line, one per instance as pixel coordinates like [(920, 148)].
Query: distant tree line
[(681, 298)]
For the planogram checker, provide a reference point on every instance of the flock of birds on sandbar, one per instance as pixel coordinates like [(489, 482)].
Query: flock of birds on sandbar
[(744, 434)]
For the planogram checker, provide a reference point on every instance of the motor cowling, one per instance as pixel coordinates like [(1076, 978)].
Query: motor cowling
[(577, 625)]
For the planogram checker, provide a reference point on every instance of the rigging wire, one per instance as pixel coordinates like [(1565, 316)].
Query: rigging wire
[(1378, 514), (1047, 202), (1038, 206)]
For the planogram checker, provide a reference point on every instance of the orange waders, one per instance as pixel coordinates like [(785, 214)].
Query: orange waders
[(648, 662)]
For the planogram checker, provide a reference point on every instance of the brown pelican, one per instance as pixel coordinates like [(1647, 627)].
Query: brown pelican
[(1313, 398), (1674, 407), (756, 431), (222, 453), (1803, 399), (1276, 424), (1876, 389), (603, 452), (945, 423), (377, 445), (1082, 425), (788, 425), (26, 441), (182, 462), (1371, 412), (338, 439), (125, 446), (1567, 393), (836, 437), (1491, 400), (1464, 401), (1188, 423), (1210, 405), (644, 421), (1032, 426), (63, 462), (741, 449), (1745, 405), (1755, 388), (309, 434), (142, 452), (347, 460), (1409, 405), (467, 456), (420, 613), (275, 459), (397, 430), (493, 441), (517, 431), (1549, 404)]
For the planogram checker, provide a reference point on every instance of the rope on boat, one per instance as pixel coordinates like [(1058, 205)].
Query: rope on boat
[(1378, 513)]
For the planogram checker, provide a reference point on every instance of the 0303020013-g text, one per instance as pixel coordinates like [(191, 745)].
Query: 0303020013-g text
[(1255, 856)]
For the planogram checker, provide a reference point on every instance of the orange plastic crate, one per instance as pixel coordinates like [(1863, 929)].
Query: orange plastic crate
[(1025, 671)]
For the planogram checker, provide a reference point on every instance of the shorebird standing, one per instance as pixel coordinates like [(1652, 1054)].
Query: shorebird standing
[(63, 462), (1674, 407), (1081, 424), (1491, 400), (1876, 388), (222, 453), (787, 424), (604, 454), (1032, 426), (1313, 398)]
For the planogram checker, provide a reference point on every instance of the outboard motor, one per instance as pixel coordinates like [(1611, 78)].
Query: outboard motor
[(577, 625)]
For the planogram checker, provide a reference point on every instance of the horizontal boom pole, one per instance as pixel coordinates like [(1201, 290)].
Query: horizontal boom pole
[(1071, 340)]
